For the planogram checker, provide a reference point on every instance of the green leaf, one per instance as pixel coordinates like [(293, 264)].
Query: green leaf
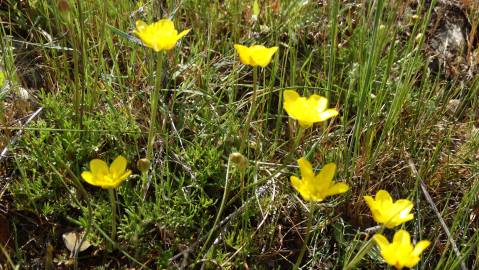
[(124, 35)]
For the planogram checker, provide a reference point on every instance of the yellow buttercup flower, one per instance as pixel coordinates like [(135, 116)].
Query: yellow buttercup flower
[(400, 253), (388, 213), (317, 187), (159, 36), (256, 55), (106, 177), (307, 111)]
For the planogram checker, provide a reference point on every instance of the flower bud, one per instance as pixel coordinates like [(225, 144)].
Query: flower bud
[(143, 165), (418, 37), (239, 160)]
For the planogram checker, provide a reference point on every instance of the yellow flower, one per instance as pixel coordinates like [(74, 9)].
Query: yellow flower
[(101, 175), (256, 55), (307, 111), (160, 35), (400, 253), (388, 213), (317, 187)]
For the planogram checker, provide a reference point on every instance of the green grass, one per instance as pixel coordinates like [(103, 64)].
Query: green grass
[(94, 85)]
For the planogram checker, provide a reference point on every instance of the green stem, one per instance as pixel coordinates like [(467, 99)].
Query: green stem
[(145, 184), (111, 193), (298, 137), (306, 238), (251, 110), (154, 108), (294, 141), (361, 253), (242, 189)]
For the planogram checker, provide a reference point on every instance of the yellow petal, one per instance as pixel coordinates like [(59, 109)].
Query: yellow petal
[(168, 43), (396, 214), (273, 50), (113, 184), (318, 102), (306, 168), (329, 113), (337, 189), (404, 206), (140, 26), (400, 252), (316, 197), (296, 183), (408, 262), (256, 55), (305, 124), (325, 176), (402, 237), (106, 185), (408, 217), (295, 106), (98, 167), (88, 177), (263, 56), (183, 33), (301, 187), (381, 240), (118, 166), (307, 111), (125, 175), (98, 180), (160, 35), (164, 25), (369, 201), (290, 96), (383, 196), (420, 247), (243, 53)]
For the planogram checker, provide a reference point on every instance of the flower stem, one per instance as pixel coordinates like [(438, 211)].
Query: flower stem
[(251, 110), (306, 237), (154, 107), (111, 193), (298, 137), (295, 141), (79, 68)]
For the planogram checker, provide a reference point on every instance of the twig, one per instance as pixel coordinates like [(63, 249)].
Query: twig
[(436, 211)]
